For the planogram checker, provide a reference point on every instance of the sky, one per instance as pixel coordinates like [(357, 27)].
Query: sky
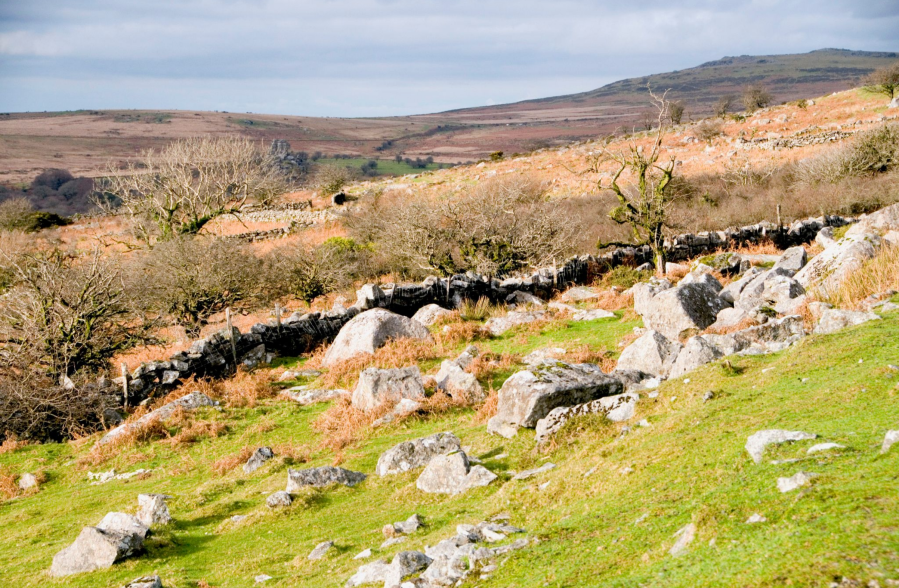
[(388, 57)]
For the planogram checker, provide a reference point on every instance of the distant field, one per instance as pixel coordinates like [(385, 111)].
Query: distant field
[(388, 167)]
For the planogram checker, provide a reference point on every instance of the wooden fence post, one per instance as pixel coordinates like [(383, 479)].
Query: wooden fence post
[(125, 383), (231, 336), (278, 317)]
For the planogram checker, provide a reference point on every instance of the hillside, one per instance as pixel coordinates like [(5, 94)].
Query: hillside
[(83, 141)]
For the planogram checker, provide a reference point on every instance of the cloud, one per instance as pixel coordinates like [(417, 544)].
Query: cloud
[(394, 56)]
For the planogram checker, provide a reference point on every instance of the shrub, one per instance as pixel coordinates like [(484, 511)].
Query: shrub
[(756, 96), (330, 179), (724, 105), (191, 279), (52, 179), (309, 272), (676, 112), (884, 80), (871, 152), (708, 130), (876, 276)]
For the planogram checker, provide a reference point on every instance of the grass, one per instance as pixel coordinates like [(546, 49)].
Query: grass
[(387, 167), (688, 466)]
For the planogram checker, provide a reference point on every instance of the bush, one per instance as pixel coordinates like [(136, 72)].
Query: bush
[(310, 272), (884, 81), (708, 130), (724, 105), (52, 179), (15, 214), (871, 152), (756, 96), (191, 279), (330, 179), (498, 227), (676, 112), (35, 409)]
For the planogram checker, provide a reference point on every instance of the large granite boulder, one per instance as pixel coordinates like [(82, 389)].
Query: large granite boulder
[(651, 353), (118, 536), (153, 509), (190, 402), (615, 408), (793, 259), (529, 395), (452, 474), (691, 306), (320, 477), (835, 319), (500, 324), (827, 270), (369, 331), (416, 453), (696, 352), (878, 223), (644, 292), (390, 386), (459, 384)]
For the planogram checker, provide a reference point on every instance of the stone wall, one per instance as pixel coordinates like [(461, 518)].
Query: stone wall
[(213, 356)]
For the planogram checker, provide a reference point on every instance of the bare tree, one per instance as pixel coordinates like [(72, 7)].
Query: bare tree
[(331, 179), (644, 205), (724, 105), (756, 96), (190, 182), (676, 112), (884, 81)]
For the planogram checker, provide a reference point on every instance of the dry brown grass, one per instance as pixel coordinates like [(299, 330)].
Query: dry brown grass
[(584, 354), (8, 487), (876, 276), (195, 431), (452, 334), (488, 409), (677, 273), (293, 453), (397, 353), (343, 424), (11, 444), (743, 324), (611, 300), (224, 465), (485, 365), (762, 248)]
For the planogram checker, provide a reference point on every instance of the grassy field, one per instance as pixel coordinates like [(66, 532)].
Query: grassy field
[(611, 528), (388, 167)]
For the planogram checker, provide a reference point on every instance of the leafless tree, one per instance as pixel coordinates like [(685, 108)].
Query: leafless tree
[(756, 96), (724, 105), (645, 203), (190, 182)]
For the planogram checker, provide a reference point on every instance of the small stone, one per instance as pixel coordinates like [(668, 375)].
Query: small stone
[(365, 554), (262, 578), (27, 481), (391, 542), (685, 536), (756, 518), (794, 482), (279, 499), (708, 396), (757, 442), (153, 509), (259, 457), (533, 472), (320, 550), (824, 447), (888, 440), (145, 582)]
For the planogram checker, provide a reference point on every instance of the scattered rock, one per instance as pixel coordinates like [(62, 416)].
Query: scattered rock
[(697, 352), (403, 408), (120, 522), (452, 474), (620, 407), (377, 386), (539, 356), (371, 573), (528, 396), (519, 297), (279, 499), (256, 461), (27, 481), (500, 324), (145, 582), (405, 563), (824, 447), (391, 542), (320, 550), (824, 238), (794, 482), (757, 442), (592, 315), (95, 549), (416, 453), (685, 536), (756, 518), (370, 330), (459, 384), (306, 395), (406, 527), (430, 314), (364, 554), (527, 474), (322, 476), (262, 578), (153, 509), (835, 319), (888, 440), (192, 401), (578, 294), (827, 270), (652, 353)]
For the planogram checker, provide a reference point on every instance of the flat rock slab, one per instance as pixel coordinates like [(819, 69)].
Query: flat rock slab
[(651, 353), (834, 319), (528, 396), (258, 459), (620, 407), (306, 395), (320, 477), (500, 324), (757, 442), (95, 549), (416, 453), (794, 482), (390, 386), (321, 550)]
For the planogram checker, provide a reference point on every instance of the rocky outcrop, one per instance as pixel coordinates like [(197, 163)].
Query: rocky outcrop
[(117, 537), (529, 395), (695, 353), (258, 459), (827, 271), (153, 509), (416, 453), (834, 319), (369, 331), (390, 386)]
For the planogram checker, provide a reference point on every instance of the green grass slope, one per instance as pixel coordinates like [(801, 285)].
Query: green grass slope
[(611, 528)]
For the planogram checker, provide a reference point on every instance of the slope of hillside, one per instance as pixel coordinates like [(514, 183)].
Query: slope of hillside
[(83, 141)]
